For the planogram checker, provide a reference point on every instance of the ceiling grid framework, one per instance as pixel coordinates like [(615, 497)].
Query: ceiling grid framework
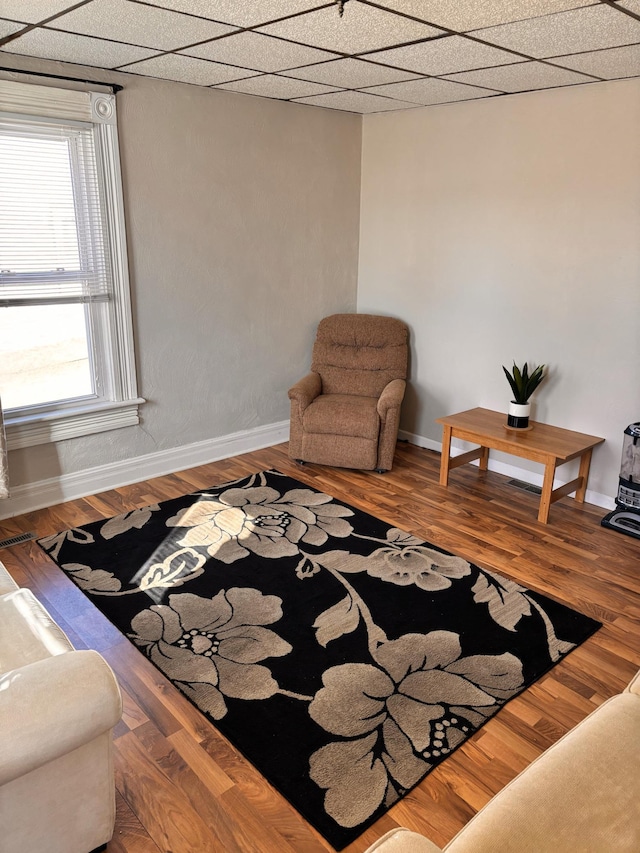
[(380, 55)]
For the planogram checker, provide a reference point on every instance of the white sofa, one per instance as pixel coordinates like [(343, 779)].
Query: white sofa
[(57, 709), (580, 796)]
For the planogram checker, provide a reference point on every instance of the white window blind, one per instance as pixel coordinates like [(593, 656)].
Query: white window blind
[(67, 361), (52, 234)]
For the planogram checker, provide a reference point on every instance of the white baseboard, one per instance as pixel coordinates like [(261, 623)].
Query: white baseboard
[(512, 471), (91, 481), (68, 487)]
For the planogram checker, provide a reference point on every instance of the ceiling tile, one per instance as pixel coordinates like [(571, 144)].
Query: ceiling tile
[(122, 20), (521, 77), (32, 11), (68, 47), (632, 5), (351, 74), (356, 102), (7, 28), (382, 48), (443, 56), (237, 13), (273, 86), (431, 91), (610, 64), (361, 28), (263, 53), (187, 69), (584, 29), (466, 15)]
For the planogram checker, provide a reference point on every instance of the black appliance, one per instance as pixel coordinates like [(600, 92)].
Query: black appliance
[(626, 516)]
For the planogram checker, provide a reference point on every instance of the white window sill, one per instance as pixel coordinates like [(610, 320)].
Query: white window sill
[(30, 430)]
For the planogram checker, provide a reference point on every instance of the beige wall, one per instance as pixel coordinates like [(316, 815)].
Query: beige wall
[(242, 221), (499, 229), (510, 229)]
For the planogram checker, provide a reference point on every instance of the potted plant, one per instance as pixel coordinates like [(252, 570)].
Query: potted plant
[(523, 384)]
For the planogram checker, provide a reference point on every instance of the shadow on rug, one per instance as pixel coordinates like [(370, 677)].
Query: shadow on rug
[(344, 657)]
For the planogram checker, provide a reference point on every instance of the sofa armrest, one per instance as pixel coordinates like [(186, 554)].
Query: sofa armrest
[(582, 793), (391, 397), (7, 583), (634, 685), (53, 706), (306, 390)]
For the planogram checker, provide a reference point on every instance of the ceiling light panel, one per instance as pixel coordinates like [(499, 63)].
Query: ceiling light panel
[(609, 64), (361, 28), (522, 77), (238, 13), (463, 15), (273, 86), (68, 47), (33, 11), (187, 69), (426, 92), (148, 26), (583, 29), (356, 102), (444, 56), (260, 52), (351, 74)]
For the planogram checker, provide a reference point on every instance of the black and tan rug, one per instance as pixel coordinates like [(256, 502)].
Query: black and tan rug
[(344, 657)]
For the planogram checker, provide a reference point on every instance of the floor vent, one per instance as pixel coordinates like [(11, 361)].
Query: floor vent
[(16, 540), (526, 487)]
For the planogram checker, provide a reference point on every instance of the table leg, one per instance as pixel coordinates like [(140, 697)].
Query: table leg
[(484, 458), (583, 474), (444, 459), (547, 489)]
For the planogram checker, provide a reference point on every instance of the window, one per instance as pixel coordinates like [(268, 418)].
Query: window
[(66, 345)]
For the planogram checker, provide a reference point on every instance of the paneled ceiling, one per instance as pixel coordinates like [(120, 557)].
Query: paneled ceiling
[(374, 57)]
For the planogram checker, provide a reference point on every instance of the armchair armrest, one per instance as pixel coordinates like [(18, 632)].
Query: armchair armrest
[(53, 706), (306, 390), (391, 397)]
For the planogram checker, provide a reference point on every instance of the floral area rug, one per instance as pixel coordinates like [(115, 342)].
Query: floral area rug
[(344, 657)]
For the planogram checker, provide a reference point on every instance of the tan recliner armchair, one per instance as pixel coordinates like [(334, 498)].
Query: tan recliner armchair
[(346, 412), (57, 709)]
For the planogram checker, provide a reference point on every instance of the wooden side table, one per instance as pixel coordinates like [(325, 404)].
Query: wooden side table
[(549, 445)]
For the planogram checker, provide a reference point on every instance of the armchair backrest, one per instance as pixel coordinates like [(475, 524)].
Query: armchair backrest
[(360, 353)]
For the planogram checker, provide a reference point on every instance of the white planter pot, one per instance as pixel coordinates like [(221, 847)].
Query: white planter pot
[(518, 416)]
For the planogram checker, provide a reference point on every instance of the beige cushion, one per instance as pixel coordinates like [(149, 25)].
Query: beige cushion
[(360, 353), (343, 414)]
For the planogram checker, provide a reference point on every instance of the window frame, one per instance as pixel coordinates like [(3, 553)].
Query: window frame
[(111, 340)]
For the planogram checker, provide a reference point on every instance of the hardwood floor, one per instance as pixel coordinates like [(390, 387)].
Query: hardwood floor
[(182, 788)]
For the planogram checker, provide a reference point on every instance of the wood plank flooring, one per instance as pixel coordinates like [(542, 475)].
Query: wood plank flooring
[(182, 788)]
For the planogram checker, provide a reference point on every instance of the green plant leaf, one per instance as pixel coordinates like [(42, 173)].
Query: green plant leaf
[(523, 383), (514, 389), (517, 375)]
